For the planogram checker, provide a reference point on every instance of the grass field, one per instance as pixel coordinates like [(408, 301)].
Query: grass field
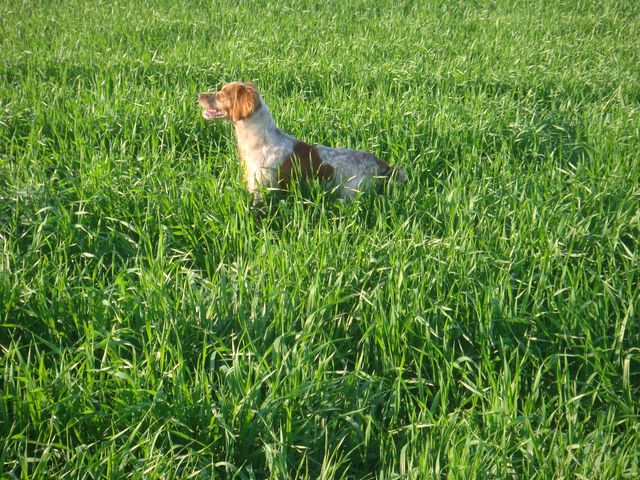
[(481, 321)]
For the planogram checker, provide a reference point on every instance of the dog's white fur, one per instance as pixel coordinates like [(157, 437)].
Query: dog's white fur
[(271, 158)]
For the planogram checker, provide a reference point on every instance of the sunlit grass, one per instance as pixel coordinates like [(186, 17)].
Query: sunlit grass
[(479, 322)]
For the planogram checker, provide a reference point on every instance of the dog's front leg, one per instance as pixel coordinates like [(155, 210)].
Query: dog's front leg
[(253, 187), (257, 198)]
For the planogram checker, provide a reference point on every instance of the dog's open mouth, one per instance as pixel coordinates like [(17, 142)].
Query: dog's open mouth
[(213, 113)]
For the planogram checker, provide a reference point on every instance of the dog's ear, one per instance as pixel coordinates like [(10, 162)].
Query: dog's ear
[(246, 101)]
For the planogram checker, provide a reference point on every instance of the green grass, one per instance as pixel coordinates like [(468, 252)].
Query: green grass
[(481, 321)]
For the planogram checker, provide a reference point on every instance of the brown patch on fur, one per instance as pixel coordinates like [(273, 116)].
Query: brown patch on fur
[(304, 161), (241, 100)]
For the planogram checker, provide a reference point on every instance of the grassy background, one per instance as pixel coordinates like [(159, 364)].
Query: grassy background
[(481, 322)]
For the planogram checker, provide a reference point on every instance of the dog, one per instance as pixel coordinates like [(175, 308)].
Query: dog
[(271, 159)]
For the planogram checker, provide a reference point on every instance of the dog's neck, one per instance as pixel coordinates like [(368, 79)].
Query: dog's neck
[(257, 130)]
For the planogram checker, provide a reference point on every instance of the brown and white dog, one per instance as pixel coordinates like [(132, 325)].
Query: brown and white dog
[(271, 158)]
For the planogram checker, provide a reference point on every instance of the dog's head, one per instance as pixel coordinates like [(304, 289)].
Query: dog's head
[(235, 101)]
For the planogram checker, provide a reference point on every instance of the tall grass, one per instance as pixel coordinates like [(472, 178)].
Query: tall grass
[(481, 321)]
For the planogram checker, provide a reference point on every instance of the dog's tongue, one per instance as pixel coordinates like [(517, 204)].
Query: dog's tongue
[(213, 113)]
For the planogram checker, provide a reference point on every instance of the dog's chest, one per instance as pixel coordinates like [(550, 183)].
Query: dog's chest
[(261, 156), (259, 164)]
